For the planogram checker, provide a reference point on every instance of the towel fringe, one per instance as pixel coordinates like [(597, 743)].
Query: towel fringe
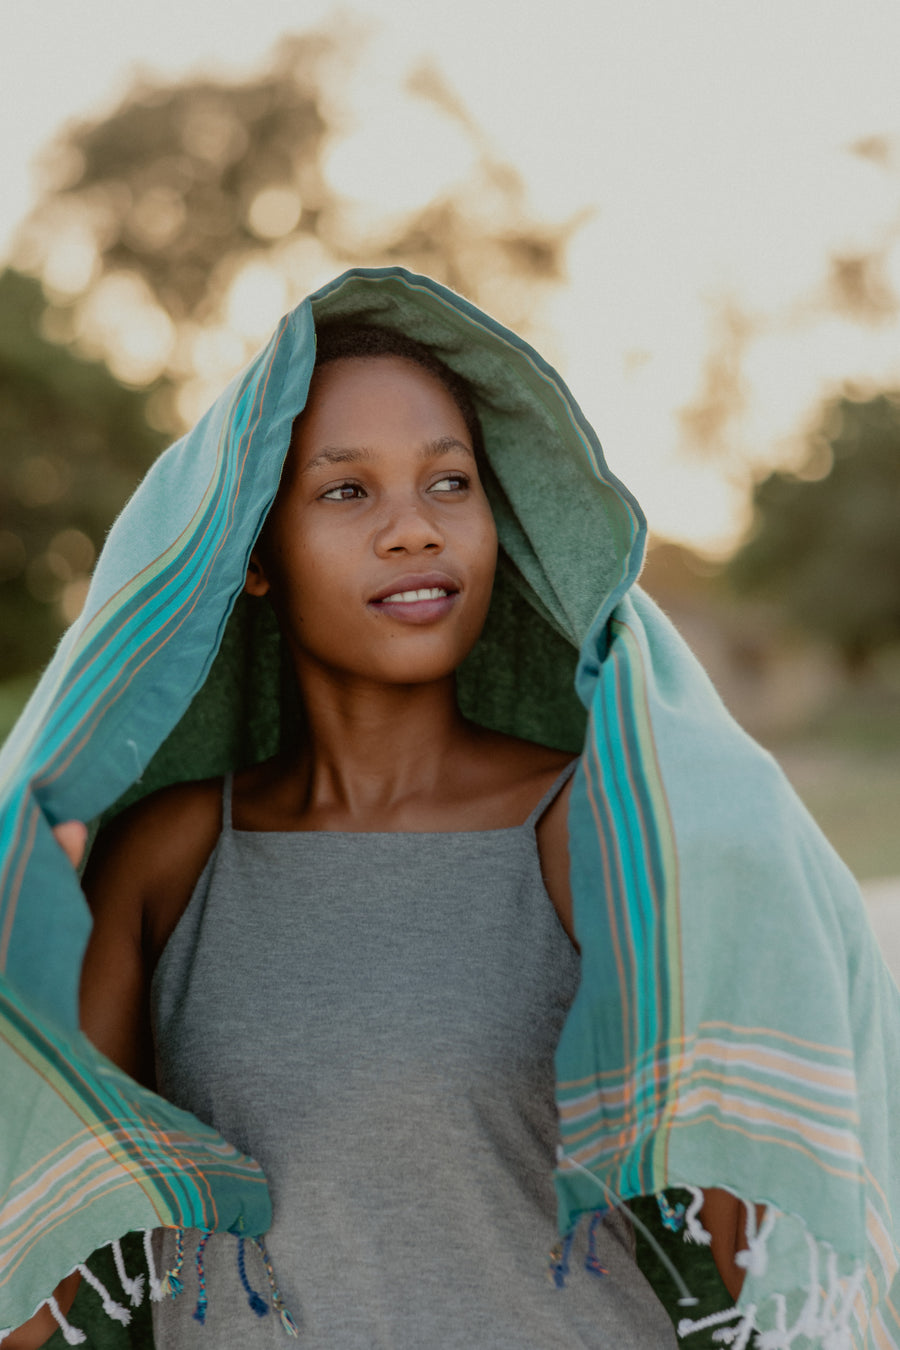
[(824, 1318), (199, 1313), (134, 1287), (558, 1267), (755, 1257), (155, 1284), (728, 1335), (592, 1261), (171, 1283), (693, 1228), (71, 1335), (256, 1301), (278, 1303), (110, 1306), (672, 1215)]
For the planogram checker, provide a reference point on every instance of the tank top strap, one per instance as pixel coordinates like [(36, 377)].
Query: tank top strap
[(552, 792), (227, 783)]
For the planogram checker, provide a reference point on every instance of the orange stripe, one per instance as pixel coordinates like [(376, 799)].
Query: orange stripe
[(769, 1139), (778, 1036), (840, 1142)]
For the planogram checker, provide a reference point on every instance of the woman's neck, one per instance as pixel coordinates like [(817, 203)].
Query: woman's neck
[(373, 746)]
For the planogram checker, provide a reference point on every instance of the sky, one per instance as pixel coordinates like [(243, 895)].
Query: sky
[(709, 145)]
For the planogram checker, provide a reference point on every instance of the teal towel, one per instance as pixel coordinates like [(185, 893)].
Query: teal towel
[(735, 1022)]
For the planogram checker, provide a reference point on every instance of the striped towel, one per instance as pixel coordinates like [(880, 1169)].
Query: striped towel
[(735, 1025)]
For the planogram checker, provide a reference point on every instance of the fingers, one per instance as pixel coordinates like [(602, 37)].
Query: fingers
[(71, 836)]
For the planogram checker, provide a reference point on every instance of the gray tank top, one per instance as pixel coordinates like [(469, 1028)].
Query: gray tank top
[(374, 1018)]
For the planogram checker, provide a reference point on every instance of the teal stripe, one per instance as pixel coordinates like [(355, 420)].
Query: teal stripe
[(122, 639)]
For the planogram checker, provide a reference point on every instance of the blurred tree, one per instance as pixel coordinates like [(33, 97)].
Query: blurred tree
[(75, 442), (825, 542), (153, 223), (159, 220)]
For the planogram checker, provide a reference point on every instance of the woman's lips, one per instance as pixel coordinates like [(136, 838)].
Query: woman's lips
[(417, 600)]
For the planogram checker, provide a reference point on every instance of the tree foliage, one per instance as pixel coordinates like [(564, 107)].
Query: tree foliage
[(148, 218), (825, 542), (75, 442), (184, 186)]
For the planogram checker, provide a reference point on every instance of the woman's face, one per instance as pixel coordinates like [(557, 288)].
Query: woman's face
[(380, 548)]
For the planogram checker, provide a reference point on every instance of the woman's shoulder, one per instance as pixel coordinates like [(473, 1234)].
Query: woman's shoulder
[(520, 771), (524, 761), (149, 857), (169, 818)]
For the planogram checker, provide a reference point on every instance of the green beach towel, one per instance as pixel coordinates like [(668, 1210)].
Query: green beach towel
[(735, 1024)]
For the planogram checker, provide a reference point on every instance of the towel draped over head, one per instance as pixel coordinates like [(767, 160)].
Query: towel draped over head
[(734, 1018)]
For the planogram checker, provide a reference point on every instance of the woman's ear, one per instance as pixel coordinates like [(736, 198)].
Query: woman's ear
[(256, 582)]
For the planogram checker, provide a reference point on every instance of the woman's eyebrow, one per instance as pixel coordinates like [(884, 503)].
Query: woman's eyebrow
[(336, 454), (444, 445), (339, 454)]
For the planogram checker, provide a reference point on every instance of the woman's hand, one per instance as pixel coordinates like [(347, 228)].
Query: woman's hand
[(71, 836)]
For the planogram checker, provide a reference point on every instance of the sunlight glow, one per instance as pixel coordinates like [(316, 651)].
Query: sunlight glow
[(723, 156), (120, 322), (274, 212), (72, 262), (401, 155), (257, 298)]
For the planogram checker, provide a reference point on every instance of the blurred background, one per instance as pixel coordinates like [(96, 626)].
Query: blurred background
[(692, 207)]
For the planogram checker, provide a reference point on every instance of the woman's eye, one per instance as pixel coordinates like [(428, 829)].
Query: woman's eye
[(455, 482), (344, 492)]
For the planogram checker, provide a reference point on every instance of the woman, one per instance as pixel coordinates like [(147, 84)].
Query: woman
[(395, 1082)]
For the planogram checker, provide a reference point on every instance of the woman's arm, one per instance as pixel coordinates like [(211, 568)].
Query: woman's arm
[(141, 873), (725, 1219)]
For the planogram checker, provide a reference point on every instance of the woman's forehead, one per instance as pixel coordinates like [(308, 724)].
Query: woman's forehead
[(357, 396)]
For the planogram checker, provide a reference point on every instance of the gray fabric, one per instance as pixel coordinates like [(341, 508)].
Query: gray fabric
[(403, 993)]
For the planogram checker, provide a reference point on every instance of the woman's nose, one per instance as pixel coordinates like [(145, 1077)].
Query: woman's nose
[(409, 527)]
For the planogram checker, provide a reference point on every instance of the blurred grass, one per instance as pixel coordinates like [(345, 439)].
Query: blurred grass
[(13, 697), (845, 766)]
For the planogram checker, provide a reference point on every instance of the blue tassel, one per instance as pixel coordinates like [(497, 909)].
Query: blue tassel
[(591, 1261), (171, 1282), (199, 1313), (278, 1303), (559, 1259), (288, 1322), (256, 1301), (672, 1215)]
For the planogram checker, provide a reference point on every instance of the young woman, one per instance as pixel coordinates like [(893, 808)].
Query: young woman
[(357, 956)]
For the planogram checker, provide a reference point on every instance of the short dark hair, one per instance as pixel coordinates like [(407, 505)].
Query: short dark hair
[(338, 339)]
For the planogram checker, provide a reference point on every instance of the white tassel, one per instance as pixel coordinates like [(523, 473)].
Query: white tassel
[(778, 1338), (836, 1334), (739, 1336), (693, 1228), (687, 1325), (110, 1306), (808, 1322), (134, 1288), (71, 1335), (157, 1293), (755, 1256), (823, 1322)]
